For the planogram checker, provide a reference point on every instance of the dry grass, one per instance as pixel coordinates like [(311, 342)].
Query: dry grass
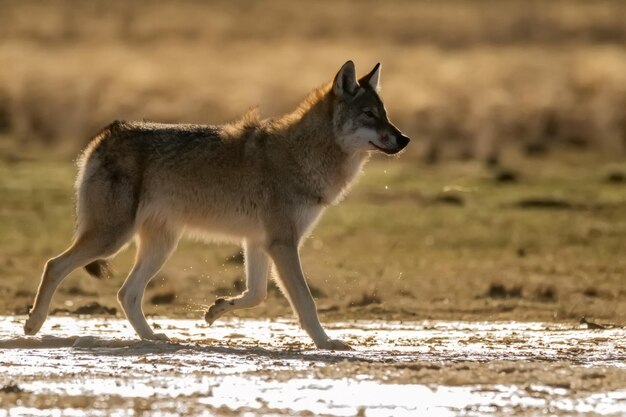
[(466, 76)]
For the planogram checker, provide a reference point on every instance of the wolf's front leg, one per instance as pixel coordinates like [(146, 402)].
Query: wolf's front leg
[(257, 269), (287, 261)]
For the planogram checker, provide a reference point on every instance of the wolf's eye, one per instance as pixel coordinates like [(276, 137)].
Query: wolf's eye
[(369, 114)]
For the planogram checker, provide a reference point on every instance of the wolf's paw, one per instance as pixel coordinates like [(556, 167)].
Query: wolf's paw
[(333, 344), (157, 337), (216, 310), (32, 325)]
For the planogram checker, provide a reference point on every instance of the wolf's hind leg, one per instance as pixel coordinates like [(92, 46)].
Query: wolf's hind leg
[(155, 245), (87, 247), (257, 270)]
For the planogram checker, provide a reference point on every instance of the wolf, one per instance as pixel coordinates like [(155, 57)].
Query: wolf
[(261, 183)]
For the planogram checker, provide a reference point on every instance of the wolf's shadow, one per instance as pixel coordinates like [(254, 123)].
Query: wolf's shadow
[(99, 346)]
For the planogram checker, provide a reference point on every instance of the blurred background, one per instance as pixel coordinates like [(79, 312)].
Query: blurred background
[(509, 203)]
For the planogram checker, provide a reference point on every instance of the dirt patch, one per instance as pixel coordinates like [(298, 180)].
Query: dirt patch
[(547, 203), (95, 308), (616, 177), (163, 298), (22, 309), (506, 176), (497, 290), (449, 198), (77, 290), (366, 299), (546, 293)]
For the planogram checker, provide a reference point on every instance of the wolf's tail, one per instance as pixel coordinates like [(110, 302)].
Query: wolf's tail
[(100, 269)]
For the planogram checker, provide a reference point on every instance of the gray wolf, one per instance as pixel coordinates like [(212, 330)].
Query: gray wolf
[(262, 183)]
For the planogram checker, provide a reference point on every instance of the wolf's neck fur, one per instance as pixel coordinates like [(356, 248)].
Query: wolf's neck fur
[(324, 168)]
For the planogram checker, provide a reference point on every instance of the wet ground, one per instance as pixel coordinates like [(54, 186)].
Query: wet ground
[(96, 367)]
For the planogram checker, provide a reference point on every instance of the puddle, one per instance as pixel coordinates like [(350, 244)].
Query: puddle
[(96, 366)]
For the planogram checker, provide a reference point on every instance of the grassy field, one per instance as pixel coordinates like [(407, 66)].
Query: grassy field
[(540, 240), (535, 89)]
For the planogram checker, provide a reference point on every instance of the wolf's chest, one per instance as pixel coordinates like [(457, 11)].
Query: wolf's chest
[(340, 182), (306, 216)]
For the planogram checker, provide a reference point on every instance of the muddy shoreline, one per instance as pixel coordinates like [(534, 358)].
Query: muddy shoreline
[(96, 366)]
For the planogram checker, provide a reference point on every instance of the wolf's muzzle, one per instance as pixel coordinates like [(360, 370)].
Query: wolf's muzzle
[(402, 141)]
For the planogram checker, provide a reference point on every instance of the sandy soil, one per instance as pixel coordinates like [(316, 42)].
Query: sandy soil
[(95, 366)]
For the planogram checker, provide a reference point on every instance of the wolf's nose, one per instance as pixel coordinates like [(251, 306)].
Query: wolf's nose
[(403, 141)]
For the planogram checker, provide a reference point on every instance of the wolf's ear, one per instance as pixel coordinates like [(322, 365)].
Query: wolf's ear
[(345, 80), (372, 79)]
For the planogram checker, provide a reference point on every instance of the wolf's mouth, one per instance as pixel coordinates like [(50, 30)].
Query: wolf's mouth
[(387, 151)]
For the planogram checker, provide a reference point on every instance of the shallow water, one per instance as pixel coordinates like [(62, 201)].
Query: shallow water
[(96, 366)]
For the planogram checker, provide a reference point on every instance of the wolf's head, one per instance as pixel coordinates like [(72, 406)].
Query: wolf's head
[(360, 120)]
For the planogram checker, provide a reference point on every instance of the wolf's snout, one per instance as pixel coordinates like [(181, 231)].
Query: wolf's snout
[(403, 141)]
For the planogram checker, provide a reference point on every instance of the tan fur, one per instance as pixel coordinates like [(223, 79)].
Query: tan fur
[(263, 183)]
